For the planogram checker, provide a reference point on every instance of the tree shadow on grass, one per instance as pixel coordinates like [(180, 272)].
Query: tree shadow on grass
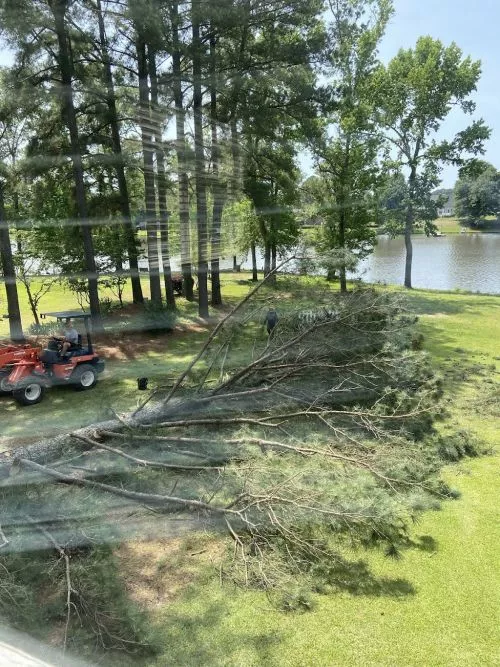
[(200, 635), (444, 304), (356, 578), (203, 633), (424, 543)]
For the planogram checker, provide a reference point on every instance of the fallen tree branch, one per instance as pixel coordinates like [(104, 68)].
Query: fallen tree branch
[(5, 541), (213, 422), (65, 557), (210, 338), (273, 444), (147, 438), (136, 496), (143, 462)]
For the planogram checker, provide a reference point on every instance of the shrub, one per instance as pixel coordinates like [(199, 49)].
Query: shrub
[(156, 317), (45, 329)]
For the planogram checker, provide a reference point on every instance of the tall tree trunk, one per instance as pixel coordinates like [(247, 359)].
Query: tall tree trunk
[(266, 239), (236, 178), (119, 163), (9, 274), (409, 228), (267, 258), (15, 201), (253, 250), (200, 174), (236, 181), (149, 178), (218, 187), (180, 146), (161, 179), (31, 302), (343, 212), (58, 8), (342, 269), (273, 253)]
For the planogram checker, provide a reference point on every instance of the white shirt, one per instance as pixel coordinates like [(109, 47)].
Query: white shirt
[(71, 335)]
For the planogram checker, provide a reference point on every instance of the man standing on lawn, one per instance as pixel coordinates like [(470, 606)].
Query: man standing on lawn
[(271, 320)]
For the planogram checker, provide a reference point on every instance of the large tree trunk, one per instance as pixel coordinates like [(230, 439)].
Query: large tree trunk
[(267, 258), (33, 307), (409, 228), (119, 163), (9, 274), (180, 146), (200, 174), (66, 70), (218, 187), (409, 250), (149, 178), (266, 239), (161, 179), (236, 177), (236, 180), (273, 257), (342, 270), (343, 217), (255, 276)]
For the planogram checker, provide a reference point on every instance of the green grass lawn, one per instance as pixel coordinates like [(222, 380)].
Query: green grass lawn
[(449, 225), (58, 298), (437, 606), (453, 226), (63, 409), (440, 604)]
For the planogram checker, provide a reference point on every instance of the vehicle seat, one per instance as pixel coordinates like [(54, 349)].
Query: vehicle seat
[(75, 350)]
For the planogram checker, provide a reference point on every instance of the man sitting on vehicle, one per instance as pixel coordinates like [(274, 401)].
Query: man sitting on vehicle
[(69, 337)]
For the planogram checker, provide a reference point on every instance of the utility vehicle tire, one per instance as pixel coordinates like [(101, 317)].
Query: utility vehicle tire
[(4, 376), (84, 377), (29, 392)]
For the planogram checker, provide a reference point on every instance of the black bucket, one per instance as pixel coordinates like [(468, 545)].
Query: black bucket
[(142, 384)]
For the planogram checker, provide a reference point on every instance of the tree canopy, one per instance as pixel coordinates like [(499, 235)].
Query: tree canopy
[(477, 193), (414, 93)]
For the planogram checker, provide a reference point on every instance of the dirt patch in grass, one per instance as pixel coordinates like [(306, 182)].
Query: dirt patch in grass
[(124, 345), (156, 572)]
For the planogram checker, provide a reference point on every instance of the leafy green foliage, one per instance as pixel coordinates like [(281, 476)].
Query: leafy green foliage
[(393, 199), (346, 152), (103, 618), (477, 194), (156, 317), (410, 119)]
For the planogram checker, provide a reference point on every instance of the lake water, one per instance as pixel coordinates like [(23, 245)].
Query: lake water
[(454, 261)]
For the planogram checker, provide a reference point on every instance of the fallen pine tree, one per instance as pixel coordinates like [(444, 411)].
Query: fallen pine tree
[(293, 446)]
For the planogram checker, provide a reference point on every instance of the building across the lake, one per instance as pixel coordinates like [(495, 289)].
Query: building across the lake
[(447, 208)]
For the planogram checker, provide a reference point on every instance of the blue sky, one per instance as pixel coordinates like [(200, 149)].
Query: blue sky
[(474, 26)]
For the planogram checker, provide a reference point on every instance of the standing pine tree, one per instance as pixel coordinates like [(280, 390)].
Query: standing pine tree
[(347, 150)]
